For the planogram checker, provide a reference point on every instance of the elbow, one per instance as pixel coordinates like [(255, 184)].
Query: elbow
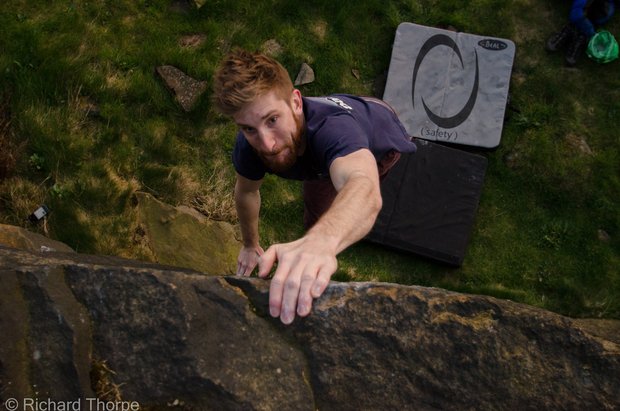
[(374, 199), (378, 203), (375, 203)]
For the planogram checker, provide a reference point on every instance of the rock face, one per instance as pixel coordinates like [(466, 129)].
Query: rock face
[(18, 237), (174, 336), (182, 237)]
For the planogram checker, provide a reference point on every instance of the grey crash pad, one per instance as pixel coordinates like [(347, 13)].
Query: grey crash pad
[(448, 86), (430, 199)]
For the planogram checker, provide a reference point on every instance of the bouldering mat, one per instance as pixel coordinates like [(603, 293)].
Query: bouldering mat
[(430, 199), (448, 86)]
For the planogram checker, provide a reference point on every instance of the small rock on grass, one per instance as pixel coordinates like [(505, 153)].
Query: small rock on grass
[(305, 75)]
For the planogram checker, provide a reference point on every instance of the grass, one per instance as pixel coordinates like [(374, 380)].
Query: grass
[(85, 123)]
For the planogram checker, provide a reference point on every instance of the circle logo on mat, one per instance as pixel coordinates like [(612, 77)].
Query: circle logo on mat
[(463, 114)]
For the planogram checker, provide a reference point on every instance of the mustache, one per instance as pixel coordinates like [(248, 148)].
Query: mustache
[(274, 151)]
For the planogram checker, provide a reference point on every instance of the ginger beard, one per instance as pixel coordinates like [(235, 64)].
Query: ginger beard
[(284, 155)]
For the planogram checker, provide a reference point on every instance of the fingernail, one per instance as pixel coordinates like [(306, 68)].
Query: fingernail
[(274, 312), (302, 310), (287, 317)]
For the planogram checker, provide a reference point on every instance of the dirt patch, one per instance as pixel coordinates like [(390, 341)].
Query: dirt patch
[(319, 28), (192, 40), (578, 144), (272, 48)]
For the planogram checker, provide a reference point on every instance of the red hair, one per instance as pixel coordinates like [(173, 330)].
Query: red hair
[(243, 76)]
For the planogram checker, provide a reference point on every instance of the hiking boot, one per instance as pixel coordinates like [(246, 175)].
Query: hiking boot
[(560, 39), (575, 49)]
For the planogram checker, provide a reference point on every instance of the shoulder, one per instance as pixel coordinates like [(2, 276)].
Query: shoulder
[(329, 113), (317, 108), (245, 160), (242, 147)]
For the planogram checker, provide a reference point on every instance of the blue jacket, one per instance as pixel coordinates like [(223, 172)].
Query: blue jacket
[(584, 19)]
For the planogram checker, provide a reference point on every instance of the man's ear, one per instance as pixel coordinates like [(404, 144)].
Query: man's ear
[(296, 102)]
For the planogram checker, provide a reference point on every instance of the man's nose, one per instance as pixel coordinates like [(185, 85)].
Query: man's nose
[(267, 140)]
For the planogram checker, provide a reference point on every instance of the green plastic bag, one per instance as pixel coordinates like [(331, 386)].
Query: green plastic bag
[(603, 47)]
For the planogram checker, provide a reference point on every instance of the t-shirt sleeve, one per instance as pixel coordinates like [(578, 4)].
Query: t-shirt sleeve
[(246, 161), (339, 136)]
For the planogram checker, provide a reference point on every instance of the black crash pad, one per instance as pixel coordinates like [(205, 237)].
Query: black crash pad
[(430, 200)]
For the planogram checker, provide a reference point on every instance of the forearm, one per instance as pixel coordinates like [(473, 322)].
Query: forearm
[(305, 266), (248, 208), (352, 214)]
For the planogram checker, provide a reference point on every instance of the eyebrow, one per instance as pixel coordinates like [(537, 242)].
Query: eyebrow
[(269, 114)]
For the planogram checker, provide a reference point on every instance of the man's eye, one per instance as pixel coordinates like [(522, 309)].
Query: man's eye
[(273, 120), (249, 130)]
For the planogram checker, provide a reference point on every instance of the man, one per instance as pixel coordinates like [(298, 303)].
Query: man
[(584, 17), (339, 146)]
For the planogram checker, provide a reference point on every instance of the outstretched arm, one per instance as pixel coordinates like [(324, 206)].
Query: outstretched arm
[(306, 265), (247, 202)]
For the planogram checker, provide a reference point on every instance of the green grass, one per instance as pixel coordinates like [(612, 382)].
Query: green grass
[(535, 238)]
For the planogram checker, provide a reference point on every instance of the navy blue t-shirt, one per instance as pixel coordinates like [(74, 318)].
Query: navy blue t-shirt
[(336, 125)]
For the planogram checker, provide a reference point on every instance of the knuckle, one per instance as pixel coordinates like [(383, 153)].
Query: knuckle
[(308, 278), (304, 299), (291, 285), (320, 283), (276, 282)]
